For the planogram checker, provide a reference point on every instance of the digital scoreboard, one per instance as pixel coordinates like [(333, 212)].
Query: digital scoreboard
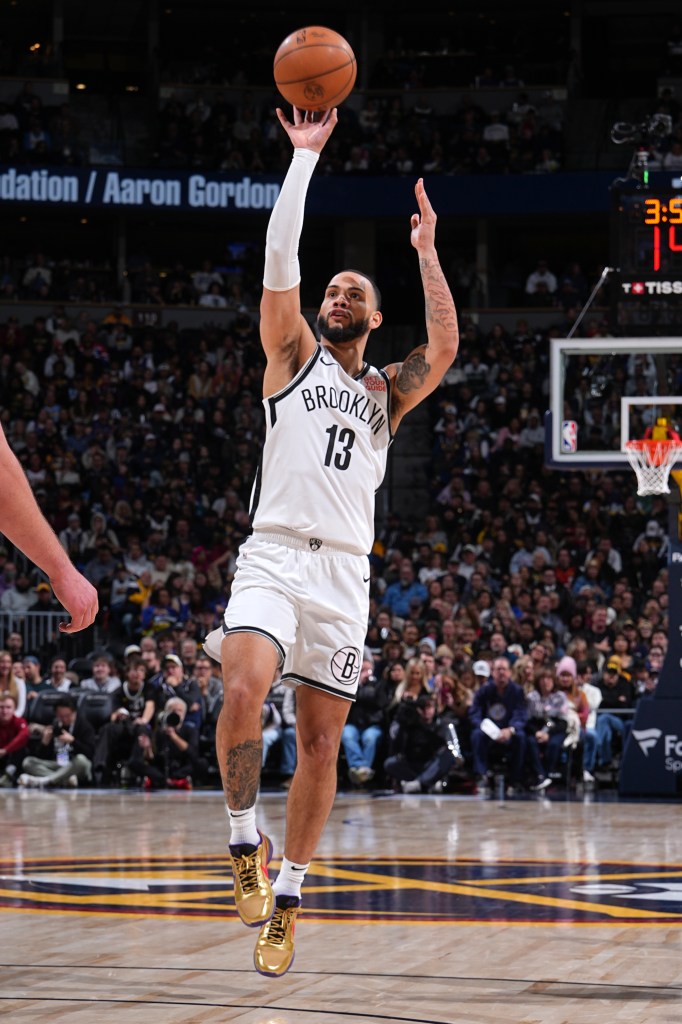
[(646, 249)]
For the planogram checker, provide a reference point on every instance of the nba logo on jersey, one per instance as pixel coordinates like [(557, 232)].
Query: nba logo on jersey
[(569, 436)]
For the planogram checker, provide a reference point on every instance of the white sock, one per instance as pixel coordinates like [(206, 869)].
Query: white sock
[(290, 878), (243, 826)]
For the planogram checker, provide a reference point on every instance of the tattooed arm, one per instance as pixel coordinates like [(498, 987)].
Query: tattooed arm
[(423, 369)]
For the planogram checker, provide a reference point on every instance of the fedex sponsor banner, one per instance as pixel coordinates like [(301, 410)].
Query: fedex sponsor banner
[(105, 187), (652, 758)]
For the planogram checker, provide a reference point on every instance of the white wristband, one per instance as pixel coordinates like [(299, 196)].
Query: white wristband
[(282, 270)]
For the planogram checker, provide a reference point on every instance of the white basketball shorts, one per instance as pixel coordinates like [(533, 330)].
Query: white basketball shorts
[(310, 600)]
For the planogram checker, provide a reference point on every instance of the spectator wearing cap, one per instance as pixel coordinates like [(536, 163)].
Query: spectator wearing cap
[(182, 686), (399, 594), (466, 566), (44, 600), (498, 718), (33, 677), (481, 670), (617, 697)]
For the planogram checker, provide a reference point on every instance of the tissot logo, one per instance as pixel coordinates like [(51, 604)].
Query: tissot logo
[(651, 287), (647, 739)]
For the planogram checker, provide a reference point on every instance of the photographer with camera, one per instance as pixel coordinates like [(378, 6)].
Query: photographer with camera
[(423, 750), (171, 757), (132, 714), (65, 750)]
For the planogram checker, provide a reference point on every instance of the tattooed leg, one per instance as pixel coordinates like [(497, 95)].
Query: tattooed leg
[(242, 773), (249, 663)]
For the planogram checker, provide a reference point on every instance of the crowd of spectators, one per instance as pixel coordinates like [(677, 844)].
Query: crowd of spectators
[(141, 445), (387, 135)]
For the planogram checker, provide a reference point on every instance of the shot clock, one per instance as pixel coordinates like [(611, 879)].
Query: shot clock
[(646, 247)]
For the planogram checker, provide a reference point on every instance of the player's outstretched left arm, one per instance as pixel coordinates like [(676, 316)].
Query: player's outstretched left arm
[(424, 368)]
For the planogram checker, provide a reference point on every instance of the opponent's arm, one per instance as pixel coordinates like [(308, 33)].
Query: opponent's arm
[(285, 334), (423, 369), (23, 523)]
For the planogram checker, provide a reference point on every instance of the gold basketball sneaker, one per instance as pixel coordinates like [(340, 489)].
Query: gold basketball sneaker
[(253, 893), (274, 952)]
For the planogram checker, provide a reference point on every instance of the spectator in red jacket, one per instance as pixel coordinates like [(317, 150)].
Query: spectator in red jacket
[(14, 738)]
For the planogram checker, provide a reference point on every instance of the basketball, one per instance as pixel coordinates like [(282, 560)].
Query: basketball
[(314, 68)]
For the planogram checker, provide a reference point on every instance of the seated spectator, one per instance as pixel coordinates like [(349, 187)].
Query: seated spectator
[(57, 679), (542, 275), (617, 696), (160, 614), (398, 595), (588, 722), (44, 599), (11, 684), (64, 752), (413, 684), (103, 678), (419, 756), (132, 714), (172, 757), (365, 725), (182, 686), (498, 719), (545, 729), (14, 737), (19, 596)]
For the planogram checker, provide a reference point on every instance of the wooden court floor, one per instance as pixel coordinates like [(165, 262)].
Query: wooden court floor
[(418, 910)]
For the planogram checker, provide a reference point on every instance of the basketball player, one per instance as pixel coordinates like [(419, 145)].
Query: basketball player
[(300, 597), (22, 522)]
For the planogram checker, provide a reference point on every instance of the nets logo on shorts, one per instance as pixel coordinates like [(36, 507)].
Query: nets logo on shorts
[(346, 665)]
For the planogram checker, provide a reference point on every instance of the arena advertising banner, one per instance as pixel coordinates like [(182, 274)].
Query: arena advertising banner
[(127, 189)]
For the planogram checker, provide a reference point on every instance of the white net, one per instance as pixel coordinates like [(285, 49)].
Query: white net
[(652, 462)]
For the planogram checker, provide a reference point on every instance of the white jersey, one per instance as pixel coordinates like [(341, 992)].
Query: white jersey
[(326, 445)]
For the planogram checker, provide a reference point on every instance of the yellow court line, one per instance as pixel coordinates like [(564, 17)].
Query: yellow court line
[(513, 897), (632, 876)]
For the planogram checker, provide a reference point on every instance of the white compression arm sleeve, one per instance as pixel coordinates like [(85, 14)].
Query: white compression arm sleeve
[(282, 271)]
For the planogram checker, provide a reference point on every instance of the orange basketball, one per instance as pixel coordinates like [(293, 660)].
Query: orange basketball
[(315, 68)]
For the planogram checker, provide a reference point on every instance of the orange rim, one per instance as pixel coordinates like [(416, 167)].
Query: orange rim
[(659, 452)]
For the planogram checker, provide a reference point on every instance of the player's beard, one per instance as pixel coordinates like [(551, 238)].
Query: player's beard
[(341, 335)]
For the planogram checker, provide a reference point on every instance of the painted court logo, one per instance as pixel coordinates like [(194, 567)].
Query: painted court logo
[(647, 739)]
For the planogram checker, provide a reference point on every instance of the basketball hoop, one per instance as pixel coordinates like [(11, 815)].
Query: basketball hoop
[(652, 461)]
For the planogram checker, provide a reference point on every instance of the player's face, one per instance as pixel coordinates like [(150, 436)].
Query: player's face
[(346, 309)]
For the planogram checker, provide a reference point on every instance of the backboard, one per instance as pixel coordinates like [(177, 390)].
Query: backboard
[(606, 391)]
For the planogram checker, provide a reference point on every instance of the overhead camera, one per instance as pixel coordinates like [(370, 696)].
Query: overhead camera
[(655, 127)]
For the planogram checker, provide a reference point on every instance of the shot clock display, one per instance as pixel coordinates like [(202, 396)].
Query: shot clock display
[(646, 234)]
